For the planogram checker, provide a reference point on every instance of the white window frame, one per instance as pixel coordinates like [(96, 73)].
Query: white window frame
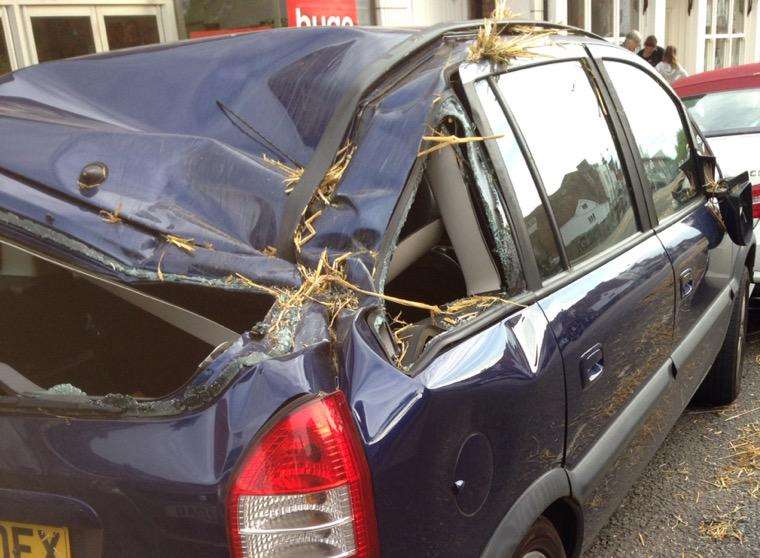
[(714, 36), (9, 46), (128, 10), (617, 36), (17, 23), (29, 12)]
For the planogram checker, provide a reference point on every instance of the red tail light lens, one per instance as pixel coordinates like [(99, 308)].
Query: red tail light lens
[(304, 489), (756, 201)]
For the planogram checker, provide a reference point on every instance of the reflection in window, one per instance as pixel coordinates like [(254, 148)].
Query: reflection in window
[(737, 51), (721, 53), (131, 31), (533, 211), (5, 59), (629, 16), (602, 17), (576, 12), (738, 21), (583, 176), (721, 16), (62, 37), (660, 136)]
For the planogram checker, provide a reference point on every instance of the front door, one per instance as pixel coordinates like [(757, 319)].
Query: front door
[(692, 234)]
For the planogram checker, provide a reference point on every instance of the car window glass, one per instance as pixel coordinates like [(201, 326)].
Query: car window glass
[(660, 136), (567, 133), (726, 110), (533, 211)]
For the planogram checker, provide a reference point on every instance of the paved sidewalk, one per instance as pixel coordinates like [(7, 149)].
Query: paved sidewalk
[(700, 496)]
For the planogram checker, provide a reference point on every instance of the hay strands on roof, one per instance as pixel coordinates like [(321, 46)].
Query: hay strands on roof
[(333, 175), (323, 196), (441, 141), (491, 45), (189, 245), (111, 217), (292, 174)]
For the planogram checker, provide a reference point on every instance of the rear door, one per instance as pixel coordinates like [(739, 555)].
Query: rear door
[(701, 252), (605, 281)]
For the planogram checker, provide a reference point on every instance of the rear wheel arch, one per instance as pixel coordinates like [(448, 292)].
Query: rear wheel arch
[(567, 518), (548, 496)]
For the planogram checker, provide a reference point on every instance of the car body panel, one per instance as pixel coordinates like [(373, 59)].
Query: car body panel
[(724, 79), (147, 488), (626, 306), (700, 249), (497, 384)]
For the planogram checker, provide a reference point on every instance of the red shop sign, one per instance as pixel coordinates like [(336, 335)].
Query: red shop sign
[(312, 13)]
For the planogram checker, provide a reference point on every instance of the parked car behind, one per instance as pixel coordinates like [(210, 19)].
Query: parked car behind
[(276, 295), (725, 104)]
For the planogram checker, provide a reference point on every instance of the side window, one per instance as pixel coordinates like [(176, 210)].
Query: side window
[(533, 211), (567, 133), (660, 136)]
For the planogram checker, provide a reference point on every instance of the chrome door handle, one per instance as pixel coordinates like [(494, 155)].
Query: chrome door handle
[(592, 364), (687, 283)]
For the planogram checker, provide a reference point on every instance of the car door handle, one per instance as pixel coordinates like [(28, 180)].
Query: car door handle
[(687, 283), (592, 364)]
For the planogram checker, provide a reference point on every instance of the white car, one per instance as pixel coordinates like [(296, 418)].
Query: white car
[(726, 105)]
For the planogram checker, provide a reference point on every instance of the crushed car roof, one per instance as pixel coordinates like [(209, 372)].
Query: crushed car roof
[(191, 139), (182, 130)]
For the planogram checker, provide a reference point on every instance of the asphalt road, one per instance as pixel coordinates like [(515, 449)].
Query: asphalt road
[(700, 495)]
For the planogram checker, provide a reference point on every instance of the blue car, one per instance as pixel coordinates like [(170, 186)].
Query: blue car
[(353, 292)]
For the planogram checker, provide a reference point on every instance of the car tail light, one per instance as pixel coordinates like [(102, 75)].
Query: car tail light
[(304, 489), (756, 201)]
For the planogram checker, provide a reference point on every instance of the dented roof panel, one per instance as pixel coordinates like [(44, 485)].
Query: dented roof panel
[(179, 129)]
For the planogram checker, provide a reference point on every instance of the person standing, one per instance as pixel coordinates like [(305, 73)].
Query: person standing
[(632, 41), (669, 68), (651, 52)]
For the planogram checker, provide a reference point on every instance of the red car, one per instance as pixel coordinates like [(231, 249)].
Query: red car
[(726, 105)]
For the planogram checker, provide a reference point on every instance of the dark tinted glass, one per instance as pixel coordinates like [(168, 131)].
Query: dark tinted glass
[(62, 37), (533, 211), (5, 59), (568, 135), (131, 31), (660, 136)]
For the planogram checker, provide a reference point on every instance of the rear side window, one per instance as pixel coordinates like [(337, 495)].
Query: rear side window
[(568, 135), (660, 136), (531, 208)]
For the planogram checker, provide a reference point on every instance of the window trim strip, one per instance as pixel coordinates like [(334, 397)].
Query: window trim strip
[(537, 180)]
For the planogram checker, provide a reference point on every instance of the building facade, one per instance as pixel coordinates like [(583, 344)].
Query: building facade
[(707, 33)]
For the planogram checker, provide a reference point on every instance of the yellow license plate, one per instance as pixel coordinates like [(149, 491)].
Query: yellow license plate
[(25, 540)]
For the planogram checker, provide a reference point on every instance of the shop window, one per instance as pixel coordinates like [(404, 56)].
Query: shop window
[(131, 30), (5, 57), (724, 33), (602, 18), (608, 18), (62, 37), (203, 18)]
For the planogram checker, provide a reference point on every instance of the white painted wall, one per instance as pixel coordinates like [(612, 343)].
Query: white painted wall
[(419, 13)]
